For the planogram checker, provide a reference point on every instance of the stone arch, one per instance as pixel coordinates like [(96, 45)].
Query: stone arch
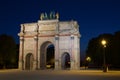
[(65, 63), (36, 37), (43, 54), (29, 61), (50, 57)]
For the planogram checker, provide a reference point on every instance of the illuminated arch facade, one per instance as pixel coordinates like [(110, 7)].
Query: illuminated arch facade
[(35, 37)]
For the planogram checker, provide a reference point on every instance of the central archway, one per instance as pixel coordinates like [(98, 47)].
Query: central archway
[(50, 57), (47, 55), (65, 61)]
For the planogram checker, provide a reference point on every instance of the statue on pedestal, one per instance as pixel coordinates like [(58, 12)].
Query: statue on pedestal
[(51, 16)]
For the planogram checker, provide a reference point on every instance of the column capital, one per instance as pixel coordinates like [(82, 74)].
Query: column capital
[(79, 36), (72, 36), (21, 34), (35, 38), (21, 38), (56, 37)]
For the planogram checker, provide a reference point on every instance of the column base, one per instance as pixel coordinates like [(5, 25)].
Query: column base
[(74, 65), (56, 65), (35, 66), (20, 65)]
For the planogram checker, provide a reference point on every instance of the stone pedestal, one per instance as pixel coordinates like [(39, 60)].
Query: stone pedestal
[(34, 65), (56, 65), (72, 65), (20, 65)]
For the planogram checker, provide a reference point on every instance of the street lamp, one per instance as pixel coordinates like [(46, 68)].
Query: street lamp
[(88, 59), (103, 42)]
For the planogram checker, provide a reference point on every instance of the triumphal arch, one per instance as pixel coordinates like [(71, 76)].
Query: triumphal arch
[(36, 37)]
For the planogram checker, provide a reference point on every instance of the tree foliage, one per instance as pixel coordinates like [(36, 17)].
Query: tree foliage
[(7, 51), (112, 50)]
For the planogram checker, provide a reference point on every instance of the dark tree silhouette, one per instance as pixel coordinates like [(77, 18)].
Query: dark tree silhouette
[(116, 49), (7, 51), (112, 50)]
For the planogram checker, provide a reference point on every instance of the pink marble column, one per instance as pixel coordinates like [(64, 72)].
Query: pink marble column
[(21, 53), (56, 52), (35, 63), (72, 52)]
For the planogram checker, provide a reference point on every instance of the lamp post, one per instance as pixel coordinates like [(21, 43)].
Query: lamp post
[(88, 59), (105, 68)]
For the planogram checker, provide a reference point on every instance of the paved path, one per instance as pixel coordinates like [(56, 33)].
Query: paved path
[(59, 75)]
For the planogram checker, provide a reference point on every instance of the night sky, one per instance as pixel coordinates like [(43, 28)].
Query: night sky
[(95, 17)]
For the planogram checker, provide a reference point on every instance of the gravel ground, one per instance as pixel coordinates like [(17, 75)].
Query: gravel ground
[(59, 75)]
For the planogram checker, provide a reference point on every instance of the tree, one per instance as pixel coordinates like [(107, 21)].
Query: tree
[(95, 49), (7, 51), (112, 50), (116, 49)]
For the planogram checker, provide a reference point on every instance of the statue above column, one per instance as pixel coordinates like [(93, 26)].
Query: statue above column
[(52, 15)]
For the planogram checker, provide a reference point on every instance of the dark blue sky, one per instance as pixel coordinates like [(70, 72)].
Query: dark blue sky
[(95, 17)]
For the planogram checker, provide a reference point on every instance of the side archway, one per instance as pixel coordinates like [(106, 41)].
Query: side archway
[(29, 61), (65, 61)]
